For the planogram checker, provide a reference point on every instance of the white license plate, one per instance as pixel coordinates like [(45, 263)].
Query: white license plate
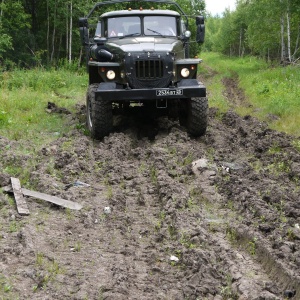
[(167, 92)]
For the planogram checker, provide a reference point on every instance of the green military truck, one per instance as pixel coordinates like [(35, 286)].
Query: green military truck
[(140, 57)]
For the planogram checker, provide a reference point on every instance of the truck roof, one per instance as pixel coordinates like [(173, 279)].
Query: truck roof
[(123, 13)]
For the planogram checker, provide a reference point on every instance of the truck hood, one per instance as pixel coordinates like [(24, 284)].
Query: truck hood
[(144, 44)]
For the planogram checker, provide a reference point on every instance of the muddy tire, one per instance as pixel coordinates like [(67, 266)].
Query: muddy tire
[(196, 116), (99, 118)]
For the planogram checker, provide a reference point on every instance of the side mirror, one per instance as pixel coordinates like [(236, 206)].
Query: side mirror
[(84, 31), (200, 29), (199, 20)]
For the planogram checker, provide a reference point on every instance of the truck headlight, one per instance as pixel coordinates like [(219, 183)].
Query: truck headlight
[(185, 72), (110, 74)]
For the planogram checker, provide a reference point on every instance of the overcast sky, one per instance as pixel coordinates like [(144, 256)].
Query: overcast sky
[(218, 6)]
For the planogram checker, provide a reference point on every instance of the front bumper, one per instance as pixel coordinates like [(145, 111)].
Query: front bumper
[(110, 92)]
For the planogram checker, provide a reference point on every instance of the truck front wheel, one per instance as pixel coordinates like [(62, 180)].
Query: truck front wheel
[(196, 116), (99, 118)]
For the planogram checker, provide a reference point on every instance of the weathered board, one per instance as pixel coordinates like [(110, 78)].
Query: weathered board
[(52, 199), (20, 200), (48, 198)]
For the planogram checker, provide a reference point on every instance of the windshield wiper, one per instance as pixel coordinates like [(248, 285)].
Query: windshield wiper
[(154, 31), (128, 35)]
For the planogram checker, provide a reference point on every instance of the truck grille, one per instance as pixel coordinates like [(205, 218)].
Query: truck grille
[(146, 72), (149, 69)]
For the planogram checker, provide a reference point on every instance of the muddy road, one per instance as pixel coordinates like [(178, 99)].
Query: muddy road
[(169, 217)]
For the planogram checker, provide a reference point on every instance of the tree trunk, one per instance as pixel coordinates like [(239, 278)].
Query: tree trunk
[(67, 30), (288, 33), (48, 33), (71, 27), (53, 34), (53, 45), (297, 43), (283, 52), (240, 46), (60, 42), (1, 11)]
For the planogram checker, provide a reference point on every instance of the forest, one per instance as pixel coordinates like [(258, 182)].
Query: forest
[(214, 217), (269, 29), (45, 33)]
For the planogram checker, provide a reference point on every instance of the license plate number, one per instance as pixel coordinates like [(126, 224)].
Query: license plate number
[(177, 92)]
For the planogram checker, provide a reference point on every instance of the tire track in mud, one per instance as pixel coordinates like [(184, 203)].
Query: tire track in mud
[(178, 224), (170, 188), (225, 230), (265, 191)]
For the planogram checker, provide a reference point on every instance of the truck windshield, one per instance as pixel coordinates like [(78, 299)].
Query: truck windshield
[(131, 26), (122, 26), (160, 25)]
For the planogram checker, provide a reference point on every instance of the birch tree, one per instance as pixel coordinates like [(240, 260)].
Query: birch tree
[(70, 32), (288, 24)]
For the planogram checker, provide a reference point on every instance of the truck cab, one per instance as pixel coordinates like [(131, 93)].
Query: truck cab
[(141, 56)]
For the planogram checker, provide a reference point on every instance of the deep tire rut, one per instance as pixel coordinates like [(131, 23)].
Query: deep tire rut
[(210, 218)]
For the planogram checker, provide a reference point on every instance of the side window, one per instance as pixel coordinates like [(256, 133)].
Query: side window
[(183, 27), (98, 30)]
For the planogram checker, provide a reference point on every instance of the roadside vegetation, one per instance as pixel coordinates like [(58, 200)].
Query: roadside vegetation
[(54, 72), (24, 97), (262, 28), (272, 93)]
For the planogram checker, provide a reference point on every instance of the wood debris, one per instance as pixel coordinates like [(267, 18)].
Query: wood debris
[(20, 192), (20, 200)]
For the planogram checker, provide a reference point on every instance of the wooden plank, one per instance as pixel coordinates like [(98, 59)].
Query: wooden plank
[(20, 200), (53, 199), (48, 198)]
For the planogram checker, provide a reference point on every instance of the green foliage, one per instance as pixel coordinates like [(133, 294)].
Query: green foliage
[(14, 226), (185, 241), (251, 247), (227, 290), (153, 175), (36, 33), (5, 42), (296, 144), (256, 27), (4, 118), (231, 235), (48, 269), (5, 287), (14, 25), (272, 92), (24, 96)]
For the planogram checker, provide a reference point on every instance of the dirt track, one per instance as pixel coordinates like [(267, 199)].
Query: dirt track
[(210, 218)]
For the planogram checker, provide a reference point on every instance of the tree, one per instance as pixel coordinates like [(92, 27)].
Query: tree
[(267, 28), (5, 42), (14, 24)]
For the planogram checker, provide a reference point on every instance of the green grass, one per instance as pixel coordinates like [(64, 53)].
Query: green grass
[(24, 95), (272, 91)]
